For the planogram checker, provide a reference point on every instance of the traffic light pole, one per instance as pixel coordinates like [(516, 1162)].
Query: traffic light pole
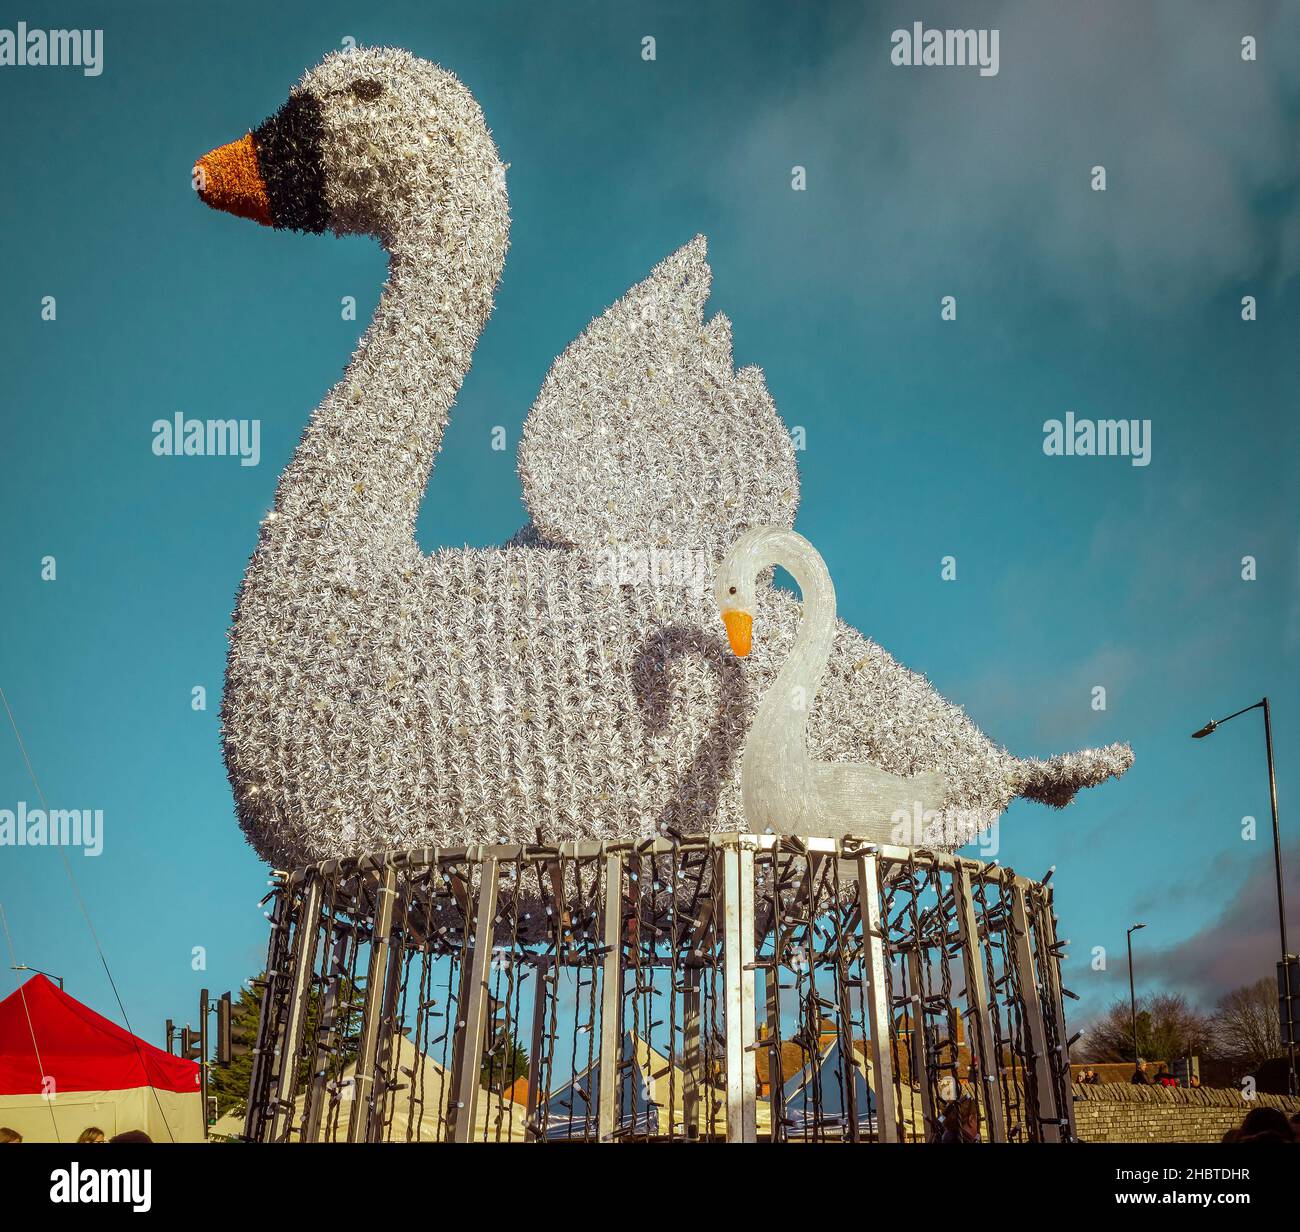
[(203, 1056)]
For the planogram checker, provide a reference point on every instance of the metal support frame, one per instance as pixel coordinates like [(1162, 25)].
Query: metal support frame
[(691, 1060), (983, 1041), (1046, 929), (376, 982), (848, 1053), (772, 1041), (920, 1060), (537, 1041), (473, 1011), (315, 1101), (304, 961), (268, 1020), (738, 963), (1048, 1128), (385, 1055), (430, 917), (876, 997), (611, 990)]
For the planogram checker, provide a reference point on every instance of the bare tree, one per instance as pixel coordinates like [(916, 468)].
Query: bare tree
[(1245, 1025), (1167, 1027)]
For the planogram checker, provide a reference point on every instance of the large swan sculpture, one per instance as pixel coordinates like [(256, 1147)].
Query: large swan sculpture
[(574, 683)]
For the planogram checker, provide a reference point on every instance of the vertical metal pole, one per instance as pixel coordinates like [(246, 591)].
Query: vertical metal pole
[(704, 931), (738, 965), (1051, 964), (691, 1053), (848, 1053), (1133, 1005), (358, 1125), (474, 1012), (748, 989), (772, 989), (456, 1025), (876, 997), (541, 1002), (383, 1072), (920, 1040), (268, 1020), (304, 959), (1293, 1082), (203, 1056), (611, 1002), (328, 1017), (987, 1064), (1048, 1130)]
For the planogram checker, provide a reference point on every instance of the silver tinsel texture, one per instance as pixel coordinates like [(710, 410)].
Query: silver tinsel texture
[(576, 683)]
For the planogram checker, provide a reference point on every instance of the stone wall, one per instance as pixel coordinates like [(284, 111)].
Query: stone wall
[(1115, 1112)]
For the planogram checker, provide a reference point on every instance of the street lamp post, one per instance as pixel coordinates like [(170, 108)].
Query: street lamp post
[(1132, 996), (1293, 1084)]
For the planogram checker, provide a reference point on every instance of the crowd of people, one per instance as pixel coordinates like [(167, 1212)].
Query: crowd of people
[(1161, 1078), (92, 1134)]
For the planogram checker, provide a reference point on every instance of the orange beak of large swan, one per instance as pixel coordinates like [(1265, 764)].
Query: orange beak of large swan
[(230, 179), (740, 629)]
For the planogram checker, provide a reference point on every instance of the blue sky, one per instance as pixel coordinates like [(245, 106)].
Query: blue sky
[(924, 437)]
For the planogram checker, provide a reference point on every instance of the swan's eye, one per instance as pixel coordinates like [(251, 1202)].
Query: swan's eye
[(367, 89), (732, 591)]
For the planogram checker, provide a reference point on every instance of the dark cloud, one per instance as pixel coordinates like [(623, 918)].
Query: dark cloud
[(1239, 946)]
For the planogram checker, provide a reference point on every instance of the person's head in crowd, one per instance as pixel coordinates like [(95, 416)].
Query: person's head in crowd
[(9, 1135), (92, 1133), (1265, 1121), (131, 1135)]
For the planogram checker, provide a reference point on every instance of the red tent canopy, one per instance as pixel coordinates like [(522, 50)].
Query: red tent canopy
[(78, 1048)]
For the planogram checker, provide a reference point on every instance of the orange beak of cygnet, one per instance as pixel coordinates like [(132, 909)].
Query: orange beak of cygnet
[(230, 179), (740, 629)]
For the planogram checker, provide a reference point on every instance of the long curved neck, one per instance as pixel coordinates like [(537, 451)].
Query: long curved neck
[(781, 723), (362, 466)]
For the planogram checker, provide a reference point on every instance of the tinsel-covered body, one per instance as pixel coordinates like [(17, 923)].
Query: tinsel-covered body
[(486, 695), (571, 685)]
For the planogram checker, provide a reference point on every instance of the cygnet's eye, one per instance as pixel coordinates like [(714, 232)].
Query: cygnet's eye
[(732, 591), (367, 89)]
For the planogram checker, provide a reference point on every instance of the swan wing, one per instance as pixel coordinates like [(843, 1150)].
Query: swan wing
[(862, 800), (644, 435)]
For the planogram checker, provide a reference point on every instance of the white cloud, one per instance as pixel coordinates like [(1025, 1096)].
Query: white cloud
[(929, 172)]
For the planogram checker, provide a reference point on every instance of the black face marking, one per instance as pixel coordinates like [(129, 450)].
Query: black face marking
[(368, 89), (289, 158)]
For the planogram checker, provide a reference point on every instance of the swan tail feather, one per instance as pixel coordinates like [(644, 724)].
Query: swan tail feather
[(1056, 780)]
